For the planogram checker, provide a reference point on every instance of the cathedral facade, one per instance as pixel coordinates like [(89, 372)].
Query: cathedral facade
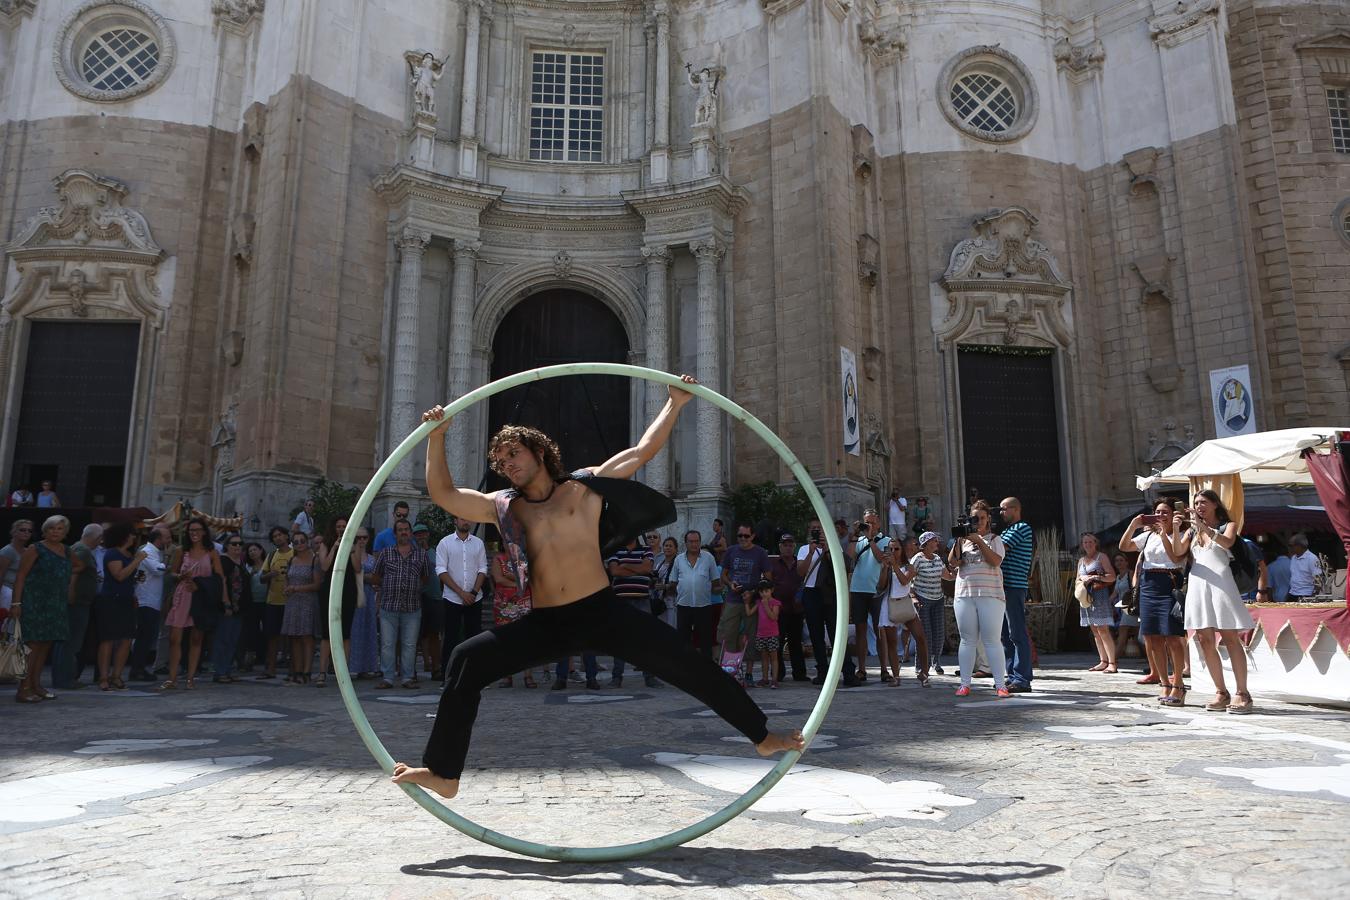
[(1009, 246)]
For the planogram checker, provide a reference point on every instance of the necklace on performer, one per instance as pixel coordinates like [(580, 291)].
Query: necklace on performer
[(543, 499)]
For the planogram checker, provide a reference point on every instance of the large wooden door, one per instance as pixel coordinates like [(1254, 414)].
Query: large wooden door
[(586, 415), (75, 415), (1010, 430)]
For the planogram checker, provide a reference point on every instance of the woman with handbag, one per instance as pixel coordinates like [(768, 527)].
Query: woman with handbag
[(930, 570), (897, 576), (980, 604), (115, 605), (1160, 584), (197, 558), (1095, 580), (20, 536), (44, 582), (1213, 602)]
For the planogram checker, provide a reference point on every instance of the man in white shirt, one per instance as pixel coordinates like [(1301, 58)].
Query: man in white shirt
[(1304, 569), (149, 601), (896, 508), (461, 565), (305, 520)]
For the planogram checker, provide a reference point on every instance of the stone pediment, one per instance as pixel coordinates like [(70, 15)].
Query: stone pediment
[(1331, 50), (89, 222), (1332, 40), (1004, 255)]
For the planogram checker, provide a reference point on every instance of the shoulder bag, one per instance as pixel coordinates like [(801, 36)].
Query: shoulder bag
[(13, 652)]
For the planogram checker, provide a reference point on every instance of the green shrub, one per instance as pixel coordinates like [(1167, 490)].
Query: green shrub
[(787, 508)]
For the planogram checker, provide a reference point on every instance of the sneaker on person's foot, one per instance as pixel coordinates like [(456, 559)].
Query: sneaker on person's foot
[(560, 684), (937, 670), (616, 681), (818, 680), (963, 691), (1003, 693), (576, 677), (592, 684), (1017, 687), (652, 681)]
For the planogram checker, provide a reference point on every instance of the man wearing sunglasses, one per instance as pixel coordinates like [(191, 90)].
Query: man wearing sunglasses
[(743, 565)]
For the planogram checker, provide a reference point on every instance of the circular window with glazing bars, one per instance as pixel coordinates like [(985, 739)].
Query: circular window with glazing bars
[(109, 51), (988, 94), (1340, 219)]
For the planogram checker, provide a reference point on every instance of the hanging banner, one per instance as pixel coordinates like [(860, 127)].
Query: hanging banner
[(848, 366), (1230, 393)]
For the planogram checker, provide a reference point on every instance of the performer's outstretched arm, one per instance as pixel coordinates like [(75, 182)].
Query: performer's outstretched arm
[(626, 462), (467, 504)]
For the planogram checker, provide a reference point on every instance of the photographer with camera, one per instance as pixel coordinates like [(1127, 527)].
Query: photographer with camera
[(870, 547), (977, 555), (818, 601), (1159, 581)]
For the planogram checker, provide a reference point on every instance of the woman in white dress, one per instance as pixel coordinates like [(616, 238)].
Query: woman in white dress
[(1213, 604)]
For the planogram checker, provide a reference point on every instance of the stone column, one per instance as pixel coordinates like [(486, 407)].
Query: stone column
[(658, 356), (460, 367), (468, 107), (660, 157), (709, 367), (412, 243)]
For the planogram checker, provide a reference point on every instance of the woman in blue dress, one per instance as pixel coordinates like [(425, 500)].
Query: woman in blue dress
[(1097, 575)]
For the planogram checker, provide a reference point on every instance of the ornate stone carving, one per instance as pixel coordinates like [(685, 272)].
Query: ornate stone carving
[(91, 217), (1079, 59), (562, 264), (1003, 285), (1180, 21), (12, 10), (1162, 453), (240, 13), (1142, 165), (242, 235), (705, 81), (883, 37), (76, 288), (424, 70), (411, 239), (878, 453)]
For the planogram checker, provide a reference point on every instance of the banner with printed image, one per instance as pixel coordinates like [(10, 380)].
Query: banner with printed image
[(848, 365), (1230, 394)]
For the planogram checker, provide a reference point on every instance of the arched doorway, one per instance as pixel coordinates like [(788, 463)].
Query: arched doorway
[(587, 415)]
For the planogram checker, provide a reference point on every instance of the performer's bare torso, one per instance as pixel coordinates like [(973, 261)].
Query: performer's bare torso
[(562, 541)]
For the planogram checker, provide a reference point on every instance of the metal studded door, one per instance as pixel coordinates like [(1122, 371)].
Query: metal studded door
[(75, 415), (1010, 429)]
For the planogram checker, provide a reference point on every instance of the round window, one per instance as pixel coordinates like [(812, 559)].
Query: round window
[(1340, 219), (987, 93), (109, 51)]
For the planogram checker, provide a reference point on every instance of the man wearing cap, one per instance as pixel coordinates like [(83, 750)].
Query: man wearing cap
[(1304, 568), (433, 607), (786, 585)]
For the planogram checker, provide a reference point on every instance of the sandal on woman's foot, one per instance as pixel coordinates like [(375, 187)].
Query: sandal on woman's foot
[(530, 682), (892, 681), (1099, 667), (505, 682), (169, 685), (1221, 701), (1111, 669), (25, 696), (191, 684), (104, 685), (321, 681), (1242, 705)]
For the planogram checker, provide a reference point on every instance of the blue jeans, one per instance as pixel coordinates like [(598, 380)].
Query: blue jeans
[(1016, 641), (403, 627), (223, 645), (67, 662)]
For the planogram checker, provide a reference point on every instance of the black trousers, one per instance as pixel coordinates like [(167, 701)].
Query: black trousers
[(790, 630), (147, 639), (820, 618), (691, 621), (465, 616), (600, 623)]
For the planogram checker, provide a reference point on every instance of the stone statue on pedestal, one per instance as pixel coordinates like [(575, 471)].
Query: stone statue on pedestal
[(425, 72), (705, 81)]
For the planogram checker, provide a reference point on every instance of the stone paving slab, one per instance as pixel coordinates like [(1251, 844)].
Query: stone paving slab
[(1085, 788)]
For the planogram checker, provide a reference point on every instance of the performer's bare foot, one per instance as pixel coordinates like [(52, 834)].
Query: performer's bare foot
[(777, 742), (446, 787)]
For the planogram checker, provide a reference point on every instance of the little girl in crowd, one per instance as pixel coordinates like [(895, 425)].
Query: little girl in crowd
[(764, 608)]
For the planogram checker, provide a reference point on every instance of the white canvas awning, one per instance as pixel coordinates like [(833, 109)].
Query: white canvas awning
[(1267, 457)]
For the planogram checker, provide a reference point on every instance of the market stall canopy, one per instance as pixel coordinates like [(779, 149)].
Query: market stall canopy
[(1267, 457)]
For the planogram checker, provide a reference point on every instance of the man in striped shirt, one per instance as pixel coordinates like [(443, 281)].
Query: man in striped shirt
[(630, 574), (1019, 542)]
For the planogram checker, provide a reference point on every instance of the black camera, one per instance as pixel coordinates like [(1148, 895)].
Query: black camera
[(816, 536), (964, 527)]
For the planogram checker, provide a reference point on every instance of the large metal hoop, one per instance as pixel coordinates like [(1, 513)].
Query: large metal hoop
[(623, 851)]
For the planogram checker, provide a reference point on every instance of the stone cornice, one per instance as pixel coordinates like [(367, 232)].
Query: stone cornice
[(716, 193), (1182, 21), (578, 7), (403, 183), (557, 214), (778, 7)]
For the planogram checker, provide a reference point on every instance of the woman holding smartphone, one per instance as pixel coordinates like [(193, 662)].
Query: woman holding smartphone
[(1151, 536)]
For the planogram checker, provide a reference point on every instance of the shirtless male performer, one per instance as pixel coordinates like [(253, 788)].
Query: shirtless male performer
[(556, 518)]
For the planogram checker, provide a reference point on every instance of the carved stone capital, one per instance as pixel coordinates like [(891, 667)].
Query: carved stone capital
[(238, 13), (883, 38), (1079, 60), (467, 250), (12, 10), (707, 250), (412, 240), (778, 7), (1178, 22), (657, 255)]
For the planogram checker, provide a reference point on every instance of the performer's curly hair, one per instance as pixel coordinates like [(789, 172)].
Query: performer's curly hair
[(533, 440)]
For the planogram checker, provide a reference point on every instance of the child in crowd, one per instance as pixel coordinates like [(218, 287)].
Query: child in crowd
[(763, 610)]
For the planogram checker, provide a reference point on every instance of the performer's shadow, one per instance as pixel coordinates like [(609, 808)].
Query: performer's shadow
[(732, 866)]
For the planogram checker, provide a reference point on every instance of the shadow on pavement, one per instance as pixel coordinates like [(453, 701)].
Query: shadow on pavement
[(727, 866)]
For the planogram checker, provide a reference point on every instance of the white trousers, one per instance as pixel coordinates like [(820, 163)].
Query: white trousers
[(980, 621)]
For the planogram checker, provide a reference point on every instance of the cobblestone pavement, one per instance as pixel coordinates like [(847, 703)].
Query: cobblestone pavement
[(1085, 788)]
